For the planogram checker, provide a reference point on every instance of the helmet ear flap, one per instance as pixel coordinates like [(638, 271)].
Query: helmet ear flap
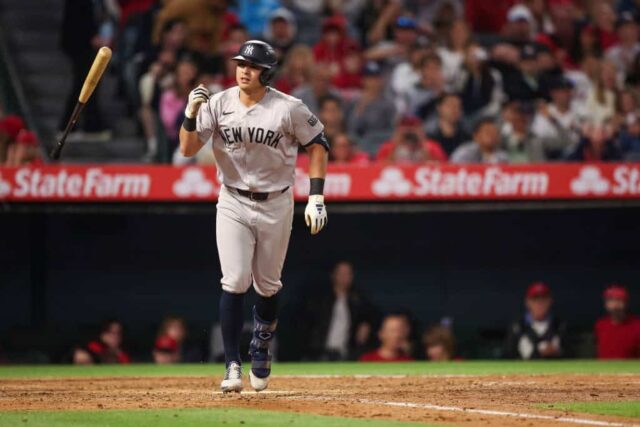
[(266, 76)]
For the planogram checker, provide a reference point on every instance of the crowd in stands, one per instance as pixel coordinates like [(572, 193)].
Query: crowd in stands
[(402, 81), (341, 323)]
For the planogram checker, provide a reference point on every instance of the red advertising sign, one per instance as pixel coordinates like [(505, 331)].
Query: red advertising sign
[(126, 183)]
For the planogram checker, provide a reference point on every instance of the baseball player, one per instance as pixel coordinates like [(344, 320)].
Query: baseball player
[(255, 131)]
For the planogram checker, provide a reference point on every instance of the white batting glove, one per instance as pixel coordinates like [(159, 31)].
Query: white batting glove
[(315, 214), (196, 98)]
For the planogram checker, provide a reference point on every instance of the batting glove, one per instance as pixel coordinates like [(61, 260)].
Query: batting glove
[(196, 98), (315, 214)]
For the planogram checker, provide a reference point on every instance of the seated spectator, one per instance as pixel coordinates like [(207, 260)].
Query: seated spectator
[(344, 152), (600, 102), (318, 87), (538, 334), (618, 333), (10, 127), (339, 323), (517, 140), (406, 74), (422, 100), (394, 336), (454, 51), (334, 46), (173, 100), (331, 115), (296, 70), (439, 344), (522, 82), (24, 151), (447, 130), (630, 138), (479, 85), (372, 111), (623, 53), (485, 146), (596, 145), (166, 351), (106, 349), (409, 145), (281, 31), (557, 124)]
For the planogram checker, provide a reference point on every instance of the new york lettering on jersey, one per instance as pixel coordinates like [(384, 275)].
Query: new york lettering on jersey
[(252, 135)]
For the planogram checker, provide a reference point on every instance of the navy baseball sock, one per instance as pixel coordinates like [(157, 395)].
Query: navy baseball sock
[(267, 308), (231, 321)]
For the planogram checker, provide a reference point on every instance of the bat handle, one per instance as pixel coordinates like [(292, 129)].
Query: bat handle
[(55, 153)]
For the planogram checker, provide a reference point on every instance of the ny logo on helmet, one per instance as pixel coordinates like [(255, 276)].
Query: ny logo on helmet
[(248, 50)]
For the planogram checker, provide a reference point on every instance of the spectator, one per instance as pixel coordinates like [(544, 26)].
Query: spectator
[(485, 146), (557, 123), (25, 151), (447, 129), (488, 17), (340, 320), (410, 145), (166, 351), (517, 140), (393, 52), (106, 349), (600, 103), (394, 336), (538, 334), (453, 53), (522, 83), (372, 111), (10, 127), (173, 99), (344, 152), (623, 53), (281, 31), (439, 344), (630, 137), (334, 46), (256, 15), (479, 85), (422, 100), (585, 45), (618, 333), (596, 144), (377, 20), (520, 27), (406, 75), (318, 87), (331, 115), (604, 18), (296, 70)]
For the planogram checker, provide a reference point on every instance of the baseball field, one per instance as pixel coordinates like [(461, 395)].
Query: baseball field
[(338, 394)]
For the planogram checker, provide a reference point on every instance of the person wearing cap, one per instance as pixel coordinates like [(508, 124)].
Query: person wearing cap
[(281, 31), (395, 51), (409, 145), (10, 127), (517, 139), (522, 82), (624, 52), (24, 151), (484, 147), (521, 25), (538, 334), (166, 350), (557, 123), (618, 333), (372, 111)]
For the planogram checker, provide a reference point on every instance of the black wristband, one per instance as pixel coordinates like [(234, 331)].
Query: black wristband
[(316, 186), (189, 124)]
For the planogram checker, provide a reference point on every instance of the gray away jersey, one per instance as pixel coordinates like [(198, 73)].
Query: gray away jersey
[(256, 147)]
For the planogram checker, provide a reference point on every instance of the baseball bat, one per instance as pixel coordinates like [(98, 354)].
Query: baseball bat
[(90, 82)]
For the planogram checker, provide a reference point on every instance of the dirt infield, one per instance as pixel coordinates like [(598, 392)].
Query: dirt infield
[(450, 400)]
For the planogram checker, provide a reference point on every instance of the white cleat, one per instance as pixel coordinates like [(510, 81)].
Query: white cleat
[(258, 383), (232, 381)]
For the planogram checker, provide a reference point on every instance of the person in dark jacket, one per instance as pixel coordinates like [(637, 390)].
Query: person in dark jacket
[(596, 145), (538, 334), (341, 320)]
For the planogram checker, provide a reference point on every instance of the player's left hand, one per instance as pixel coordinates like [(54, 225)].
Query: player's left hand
[(315, 214)]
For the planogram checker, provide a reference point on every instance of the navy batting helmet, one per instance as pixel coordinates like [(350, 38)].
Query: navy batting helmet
[(261, 54)]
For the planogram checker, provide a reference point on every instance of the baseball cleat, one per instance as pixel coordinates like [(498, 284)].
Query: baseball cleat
[(232, 381), (257, 383), (259, 352)]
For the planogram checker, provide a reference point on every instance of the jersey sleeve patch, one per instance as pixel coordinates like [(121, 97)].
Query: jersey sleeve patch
[(312, 120)]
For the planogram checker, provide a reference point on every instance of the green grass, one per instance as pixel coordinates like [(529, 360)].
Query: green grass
[(227, 417), (411, 368), (621, 409)]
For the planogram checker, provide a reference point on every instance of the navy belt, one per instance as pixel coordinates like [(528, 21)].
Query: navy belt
[(258, 197)]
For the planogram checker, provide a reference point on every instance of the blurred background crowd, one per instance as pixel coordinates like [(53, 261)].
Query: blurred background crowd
[(404, 81)]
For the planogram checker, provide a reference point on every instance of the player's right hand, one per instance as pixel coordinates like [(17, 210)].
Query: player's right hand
[(196, 98)]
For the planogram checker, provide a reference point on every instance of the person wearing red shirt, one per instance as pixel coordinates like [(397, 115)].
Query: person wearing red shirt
[(409, 145), (394, 341), (334, 46), (108, 347), (618, 333), (343, 152)]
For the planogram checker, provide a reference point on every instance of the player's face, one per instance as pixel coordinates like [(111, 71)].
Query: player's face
[(247, 76)]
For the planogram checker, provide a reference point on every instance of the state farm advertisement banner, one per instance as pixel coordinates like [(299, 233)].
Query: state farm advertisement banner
[(372, 183)]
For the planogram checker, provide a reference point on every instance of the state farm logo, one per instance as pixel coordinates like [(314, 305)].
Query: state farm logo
[(193, 183), (392, 182), (590, 180), (5, 187)]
